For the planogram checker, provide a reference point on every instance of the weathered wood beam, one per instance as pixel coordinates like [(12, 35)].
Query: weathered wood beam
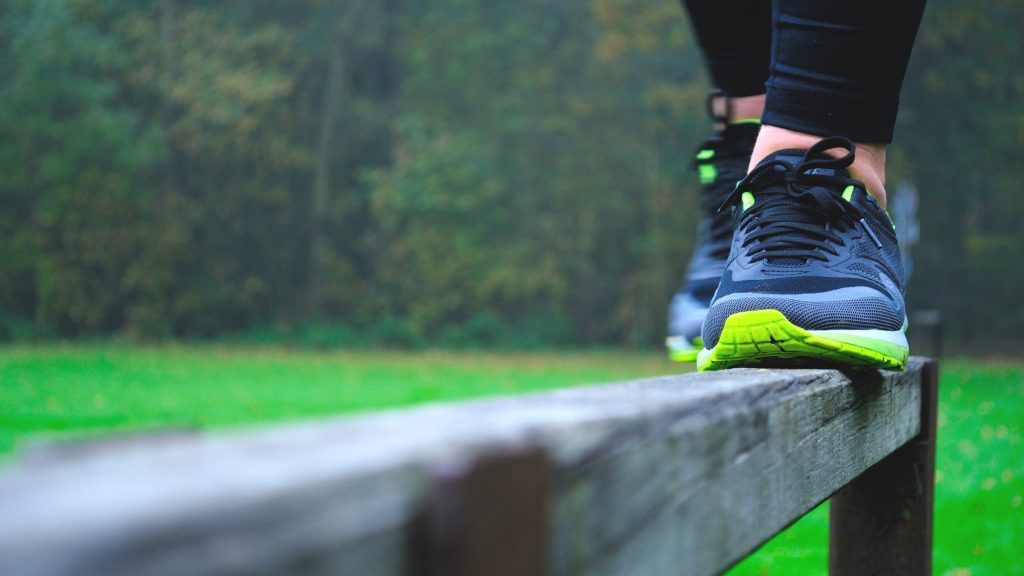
[(881, 523), (676, 475)]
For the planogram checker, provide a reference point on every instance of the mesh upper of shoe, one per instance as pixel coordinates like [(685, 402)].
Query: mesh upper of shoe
[(840, 314), (858, 287)]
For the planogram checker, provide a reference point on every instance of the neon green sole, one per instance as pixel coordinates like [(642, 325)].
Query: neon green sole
[(766, 337)]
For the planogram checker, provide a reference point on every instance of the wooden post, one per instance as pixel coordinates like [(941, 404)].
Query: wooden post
[(675, 475), (489, 516), (881, 523)]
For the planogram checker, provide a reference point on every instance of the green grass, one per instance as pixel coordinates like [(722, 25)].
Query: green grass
[(979, 513), (75, 390)]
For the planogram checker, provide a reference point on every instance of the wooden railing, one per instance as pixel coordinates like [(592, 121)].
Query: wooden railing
[(675, 475)]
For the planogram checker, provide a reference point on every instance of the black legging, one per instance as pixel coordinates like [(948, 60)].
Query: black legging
[(831, 67)]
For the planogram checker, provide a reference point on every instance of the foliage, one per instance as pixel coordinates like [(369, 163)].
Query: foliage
[(962, 133), (458, 171)]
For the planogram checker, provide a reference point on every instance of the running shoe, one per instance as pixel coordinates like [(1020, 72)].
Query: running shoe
[(814, 275), (720, 163)]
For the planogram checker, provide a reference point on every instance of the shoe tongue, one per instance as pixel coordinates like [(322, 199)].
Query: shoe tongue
[(791, 261), (793, 157)]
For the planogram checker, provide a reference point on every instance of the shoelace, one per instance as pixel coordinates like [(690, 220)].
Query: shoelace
[(797, 214)]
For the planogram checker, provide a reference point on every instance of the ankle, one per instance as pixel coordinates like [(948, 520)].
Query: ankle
[(738, 109), (868, 165), (869, 168), (746, 108)]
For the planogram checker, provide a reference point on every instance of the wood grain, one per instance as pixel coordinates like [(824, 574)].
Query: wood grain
[(675, 475)]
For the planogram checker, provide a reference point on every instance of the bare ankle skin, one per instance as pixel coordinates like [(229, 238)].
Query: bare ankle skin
[(868, 166), (741, 109)]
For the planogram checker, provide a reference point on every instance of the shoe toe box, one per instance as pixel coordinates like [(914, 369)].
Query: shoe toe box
[(858, 308)]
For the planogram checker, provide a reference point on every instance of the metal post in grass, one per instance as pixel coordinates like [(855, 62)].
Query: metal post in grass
[(925, 333), (881, 523)]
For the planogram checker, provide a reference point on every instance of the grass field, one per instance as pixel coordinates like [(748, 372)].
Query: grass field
[(76, 390)]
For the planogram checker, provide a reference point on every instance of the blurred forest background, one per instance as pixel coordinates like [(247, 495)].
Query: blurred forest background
[(453, 172)]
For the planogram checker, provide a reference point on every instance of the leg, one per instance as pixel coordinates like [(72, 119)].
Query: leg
[(735, 37), (815, 276), (837, 68)]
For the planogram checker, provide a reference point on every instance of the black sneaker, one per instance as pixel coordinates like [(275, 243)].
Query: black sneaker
[(814, 275), (721, 162)]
